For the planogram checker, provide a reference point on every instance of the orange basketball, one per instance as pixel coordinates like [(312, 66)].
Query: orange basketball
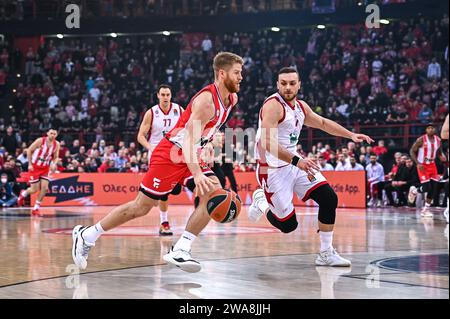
[(223, 205)]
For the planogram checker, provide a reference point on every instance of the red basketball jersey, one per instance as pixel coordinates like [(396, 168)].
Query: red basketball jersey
[(177, 134)]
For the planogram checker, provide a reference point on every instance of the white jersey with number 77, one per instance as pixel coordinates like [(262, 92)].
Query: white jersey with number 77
[(163, 122)]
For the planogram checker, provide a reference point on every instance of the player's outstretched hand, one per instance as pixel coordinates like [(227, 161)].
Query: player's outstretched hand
[(357, 138), (308, 165), (203, 184)]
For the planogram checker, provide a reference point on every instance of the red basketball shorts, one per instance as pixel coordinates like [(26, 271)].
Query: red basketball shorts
[(429, 172), (167, 169), (39, 172)]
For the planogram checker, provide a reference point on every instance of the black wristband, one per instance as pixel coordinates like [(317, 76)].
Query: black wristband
[(295, 160)]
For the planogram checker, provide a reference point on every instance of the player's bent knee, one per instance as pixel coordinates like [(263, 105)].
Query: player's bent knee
[(327, 199), (285, 226)]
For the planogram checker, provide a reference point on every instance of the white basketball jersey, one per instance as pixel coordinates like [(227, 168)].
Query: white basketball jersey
[(288, 131), (43, 155), (163, 122)]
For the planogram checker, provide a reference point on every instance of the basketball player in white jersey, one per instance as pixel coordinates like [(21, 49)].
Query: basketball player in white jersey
[(423, 153), (444, 136), (42, 158), (158, 120), (281, 171)]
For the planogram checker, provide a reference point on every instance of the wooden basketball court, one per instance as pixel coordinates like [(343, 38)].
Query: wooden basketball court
[(395, 254)]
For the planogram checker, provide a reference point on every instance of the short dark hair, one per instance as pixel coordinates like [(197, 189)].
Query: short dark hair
[(288, 69), (164, 86)]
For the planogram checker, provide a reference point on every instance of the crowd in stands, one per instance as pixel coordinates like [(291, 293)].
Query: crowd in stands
[(102, 86), (395, 74)]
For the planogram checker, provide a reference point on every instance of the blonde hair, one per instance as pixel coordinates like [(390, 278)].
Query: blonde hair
[(224, 61)]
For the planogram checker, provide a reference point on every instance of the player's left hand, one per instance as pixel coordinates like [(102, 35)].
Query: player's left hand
[(52, 167), (358, 138)]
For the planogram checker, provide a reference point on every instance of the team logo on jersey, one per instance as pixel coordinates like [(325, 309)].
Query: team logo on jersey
[(175, 112), (156, 182), (293, 138), (311, 178)]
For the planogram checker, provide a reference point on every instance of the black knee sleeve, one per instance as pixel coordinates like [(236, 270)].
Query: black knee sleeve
[(425, 187), (196, 201), (285, 226), (327, 200), (176, 190), (190, 184)]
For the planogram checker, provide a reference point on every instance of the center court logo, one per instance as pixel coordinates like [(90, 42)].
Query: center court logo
[(70, 188)]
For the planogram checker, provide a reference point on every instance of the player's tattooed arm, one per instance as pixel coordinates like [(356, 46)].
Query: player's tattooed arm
[(314, 120), (145, 127), (413, 151)]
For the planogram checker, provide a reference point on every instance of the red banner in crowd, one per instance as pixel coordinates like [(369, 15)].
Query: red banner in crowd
[(92, 189)]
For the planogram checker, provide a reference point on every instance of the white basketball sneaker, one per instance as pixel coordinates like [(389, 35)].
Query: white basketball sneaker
[(330, 257), (254, 212), (80, 248), (183, 260)]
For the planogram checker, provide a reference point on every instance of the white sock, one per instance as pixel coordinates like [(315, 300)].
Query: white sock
[(163, 217), (24, 193), (185, 241), (92, 233), (37, 205), (326, 240)]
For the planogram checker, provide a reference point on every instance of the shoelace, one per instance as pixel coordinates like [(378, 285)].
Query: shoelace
[(327, 253)]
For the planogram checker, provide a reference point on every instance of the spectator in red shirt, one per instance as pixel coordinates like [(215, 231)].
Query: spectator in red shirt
[(380, 149), (348, 84)]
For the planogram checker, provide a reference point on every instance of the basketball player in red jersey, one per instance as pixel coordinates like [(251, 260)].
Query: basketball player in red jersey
[(158, 120), (175, 160), (42, 158), (423, 153)]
